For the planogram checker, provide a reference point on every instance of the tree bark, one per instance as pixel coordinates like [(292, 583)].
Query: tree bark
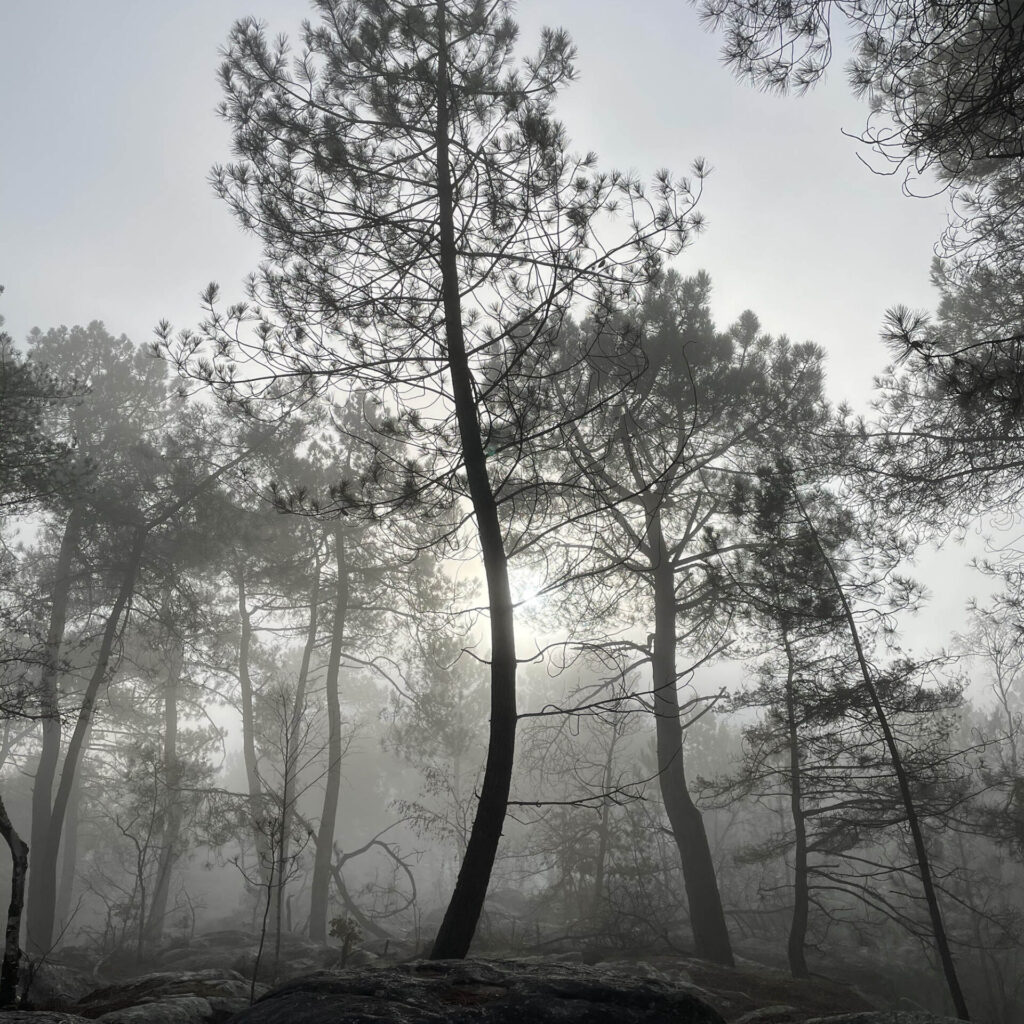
[(460, 919), (252, 772), (913, 822), (49, 756), (169, 834), (603, 829), (797, 942), (12, 933), (320, 887), (69, 856), (291, 761), (44, 864), (707, 918)]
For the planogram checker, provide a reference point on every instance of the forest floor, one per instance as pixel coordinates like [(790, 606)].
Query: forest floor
[(209, 980)]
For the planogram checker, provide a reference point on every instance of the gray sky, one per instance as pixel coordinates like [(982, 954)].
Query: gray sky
[(109, 132)]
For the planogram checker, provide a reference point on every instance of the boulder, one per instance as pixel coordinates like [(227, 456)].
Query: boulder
[(176, 1010), (54, 984), (180, 997), (481, 991), (772, 1015)]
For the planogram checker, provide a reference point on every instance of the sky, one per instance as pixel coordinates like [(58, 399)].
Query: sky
[(106, 211), (110, 130)]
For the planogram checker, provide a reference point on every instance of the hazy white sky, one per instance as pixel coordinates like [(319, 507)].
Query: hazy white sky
[(108, 132)]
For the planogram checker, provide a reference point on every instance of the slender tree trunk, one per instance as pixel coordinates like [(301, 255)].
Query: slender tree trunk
[(604, 832), (44, 864), (245, 692), (460, 920), (169, 833), (320, 887), (801, 896), (910, 809), (291, 768), (69, 855), (707, 918), (49, 756), (264, 854), (12, 933)]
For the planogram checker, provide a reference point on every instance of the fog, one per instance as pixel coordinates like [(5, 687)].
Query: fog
[(522, 553)]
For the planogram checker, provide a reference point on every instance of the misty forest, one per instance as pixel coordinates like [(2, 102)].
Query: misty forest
[(459, 618)]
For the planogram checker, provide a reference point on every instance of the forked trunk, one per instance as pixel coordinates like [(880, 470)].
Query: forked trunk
[(44, 863), (41, 907)]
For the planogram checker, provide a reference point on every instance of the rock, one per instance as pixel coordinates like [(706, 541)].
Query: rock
[(886, 1017), (54, 984), (481, 991), (221, 993), (177, 1010), (771, 1015), (41, 1017), (747, 987)]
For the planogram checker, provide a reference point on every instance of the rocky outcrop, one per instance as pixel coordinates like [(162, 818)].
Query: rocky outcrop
[(54, 984), (236, 951), (41, 1017), (886, 1017), (772, 1015), (481, 991), (568, 987), (189, 997)]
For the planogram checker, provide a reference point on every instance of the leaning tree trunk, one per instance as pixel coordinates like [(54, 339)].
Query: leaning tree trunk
[(69, 853), (12, 934), (797, 942), (320, 887), (467, 901), (44, 862), (903, 781), (707, 918), (40, 918)]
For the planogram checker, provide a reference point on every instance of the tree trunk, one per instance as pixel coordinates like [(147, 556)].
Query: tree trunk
[(252, 771), (707, 919), (291, 759), (12, 934), (320, 888), (169, 834), (69, 856), (40, 918), (603, 829), (44, 864), (460, 919), (913, 822), (801, 895)]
